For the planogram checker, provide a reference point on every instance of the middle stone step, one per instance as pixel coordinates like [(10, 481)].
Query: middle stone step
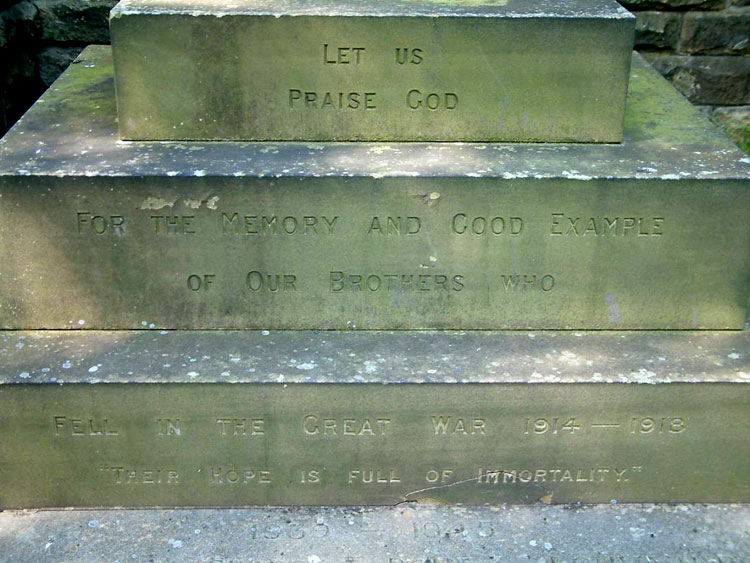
[(95, 233), (469, 70)]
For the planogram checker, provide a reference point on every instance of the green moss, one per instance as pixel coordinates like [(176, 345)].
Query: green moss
[(735, 122)]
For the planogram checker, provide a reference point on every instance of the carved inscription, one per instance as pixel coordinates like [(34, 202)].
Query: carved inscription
[(197, 282), (553, 426), (90, 427), (174, 224), (90, 223), (441, 476), (373, 476), (310, 476), (311, 99), (314, 425), (168, 427), (403, 283), (241, 426), (643, 426), (462, 224), (258, 281), (662, 425), (242, 476), (395, 226), (495, 224), (458, 426), (407, 55), (528, 282), (416, 100), (343, 56), (121, 475), (265, 225), (568, 225), (556, 475)]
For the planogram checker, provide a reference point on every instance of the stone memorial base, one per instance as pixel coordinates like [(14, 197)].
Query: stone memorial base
[(102, 234), (158, 418), (403, 534), (322, 70)]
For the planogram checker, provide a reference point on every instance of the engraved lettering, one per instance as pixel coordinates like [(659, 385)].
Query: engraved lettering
[(197, 282), (416, 100), (173, 224), (169, 426), (99, 224), (663, 425), (143, 476), (528, 282), (446, 425), (439, 475), (313, 425), (266, 225), (589, 475), (342, 55), (462, 224), (341, 281), (299, 99), (258, 281), (373, 476), (412, 56), (310, 476), (242, 476), (241, 426), (90, 427), (395, 226), (564, 225), (556, 425)]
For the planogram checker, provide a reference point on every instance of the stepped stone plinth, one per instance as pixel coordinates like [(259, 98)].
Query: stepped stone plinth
[(401, 70)]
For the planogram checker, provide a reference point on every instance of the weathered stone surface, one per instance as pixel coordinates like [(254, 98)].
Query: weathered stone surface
[(54, 60), (127, 235), (45, 358), (84, 21), (736, 123), (708, 79), (247, 418), (716, 33), (372, 71), (657, 29), (404, 534), (674, 4)]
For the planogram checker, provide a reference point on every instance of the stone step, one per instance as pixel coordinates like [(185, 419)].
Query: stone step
[(97, 233), (159, 418), (402, 70), (403, 534)]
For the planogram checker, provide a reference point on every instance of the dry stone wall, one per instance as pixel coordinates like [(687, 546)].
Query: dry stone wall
[(702, 46)]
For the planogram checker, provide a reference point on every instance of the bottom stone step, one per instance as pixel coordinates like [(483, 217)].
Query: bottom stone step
[(144, 419), (404, 534)]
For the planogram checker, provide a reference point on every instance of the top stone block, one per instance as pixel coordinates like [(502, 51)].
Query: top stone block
[(408, 70)]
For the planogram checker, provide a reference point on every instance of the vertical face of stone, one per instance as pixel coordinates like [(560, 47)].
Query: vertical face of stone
[(482, 71), (203, 421), (373, 254)]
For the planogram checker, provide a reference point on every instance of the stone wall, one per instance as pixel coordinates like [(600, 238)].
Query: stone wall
[(38, 40), (702, 46)]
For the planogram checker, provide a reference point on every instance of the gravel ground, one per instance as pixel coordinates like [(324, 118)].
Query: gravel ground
[(405, 533)]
